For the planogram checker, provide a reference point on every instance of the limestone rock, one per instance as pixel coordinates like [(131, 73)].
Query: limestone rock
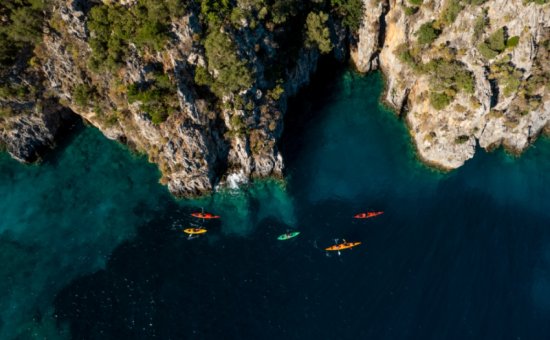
[(498, 112)]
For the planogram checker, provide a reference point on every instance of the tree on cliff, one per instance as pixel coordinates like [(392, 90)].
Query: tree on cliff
[(317, 32)]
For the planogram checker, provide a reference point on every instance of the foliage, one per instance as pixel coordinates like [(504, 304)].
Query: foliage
[(497, 40), (230, 73), (351, 12), (479, 26), (416, 2), (213, 10), (202, 77), (493, 45), (508, 77), (447, 77), (83, 94), (427, 33), (439, 100), (486, 52), (449, 74), (21, 27), (114, 26), (276, 92), (13, 91), (512, 42), (317, 32), (451, 11), (157, 97), (410, 10)]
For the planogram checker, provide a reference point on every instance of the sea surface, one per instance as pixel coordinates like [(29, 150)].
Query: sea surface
[(91, 245)]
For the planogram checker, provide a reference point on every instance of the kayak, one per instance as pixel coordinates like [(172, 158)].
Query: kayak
[(368, 214), (288, 236), (194, 231), (342, 246), (206, 216)]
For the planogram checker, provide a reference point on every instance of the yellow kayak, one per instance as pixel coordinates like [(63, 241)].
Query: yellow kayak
[(194, 231), (342, 246)]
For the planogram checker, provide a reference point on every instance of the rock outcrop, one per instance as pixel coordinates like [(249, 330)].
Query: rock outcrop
[(205, 141), (464, 73), (509, 102)]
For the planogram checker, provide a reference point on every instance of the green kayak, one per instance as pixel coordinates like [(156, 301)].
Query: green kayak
[(288, 236)]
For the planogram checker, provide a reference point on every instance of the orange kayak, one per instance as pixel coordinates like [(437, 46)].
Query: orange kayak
[(368, 214), (194, 231), (342, 246), (204, 215)]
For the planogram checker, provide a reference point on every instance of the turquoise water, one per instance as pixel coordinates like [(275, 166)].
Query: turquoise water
[(94, 247)]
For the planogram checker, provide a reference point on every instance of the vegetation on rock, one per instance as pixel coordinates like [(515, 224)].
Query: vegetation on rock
[(318, 33), (157, 97), (113, 27), (427, 33), (21, 28)]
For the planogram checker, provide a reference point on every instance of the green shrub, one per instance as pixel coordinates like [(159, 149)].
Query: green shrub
[(276, 92), (14, 91), (350, 11), (415, 2), (479, 26), (317, 32), (486, 52), (20, 27), (233, 74), (451, 11), (83, 94), (512, 42), (114, 26), (497, 40), (157, 97), (427, 33), (202, 77), (446, 79), (439, 100), (410, 10)]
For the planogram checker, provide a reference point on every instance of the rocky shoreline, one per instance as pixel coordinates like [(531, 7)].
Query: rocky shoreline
[(441, 74)]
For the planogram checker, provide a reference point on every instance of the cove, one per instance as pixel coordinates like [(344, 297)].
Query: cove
[(458, 255)]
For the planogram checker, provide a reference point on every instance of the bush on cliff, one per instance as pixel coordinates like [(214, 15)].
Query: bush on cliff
[(351, 12), (447, 77), (114, 26), (427, 33), (493, 45), (21, 27), (158, 97), (83, 94), (439, 100), (451, 11), (317, 32), (229, 73)]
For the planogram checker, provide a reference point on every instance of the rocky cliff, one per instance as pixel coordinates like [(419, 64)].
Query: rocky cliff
[(172, 99), (201, 86), (463, 72)]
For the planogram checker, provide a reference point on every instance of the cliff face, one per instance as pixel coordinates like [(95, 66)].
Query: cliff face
[(204, 141), (203, 92), (464, 73)]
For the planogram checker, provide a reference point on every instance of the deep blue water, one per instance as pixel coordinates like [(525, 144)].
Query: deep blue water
[(91, 246)]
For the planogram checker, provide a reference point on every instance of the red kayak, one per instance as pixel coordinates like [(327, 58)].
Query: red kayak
[(206, 216), (368, 214)]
